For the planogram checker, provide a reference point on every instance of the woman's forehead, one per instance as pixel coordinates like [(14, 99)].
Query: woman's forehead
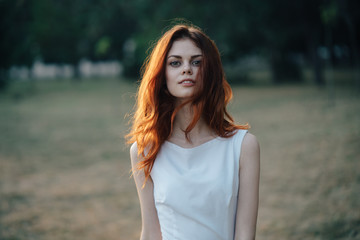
[(184, 47)]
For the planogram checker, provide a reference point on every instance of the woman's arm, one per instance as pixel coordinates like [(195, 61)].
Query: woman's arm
[(248, 199), (150, 221)]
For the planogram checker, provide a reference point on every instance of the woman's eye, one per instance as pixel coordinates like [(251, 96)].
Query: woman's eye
[(196, 62), (175, 63)]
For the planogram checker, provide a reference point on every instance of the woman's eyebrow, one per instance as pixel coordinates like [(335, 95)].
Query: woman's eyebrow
[(195, 56), (177, 56)]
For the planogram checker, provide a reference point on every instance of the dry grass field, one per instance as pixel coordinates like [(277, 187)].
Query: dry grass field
[(64, 165)]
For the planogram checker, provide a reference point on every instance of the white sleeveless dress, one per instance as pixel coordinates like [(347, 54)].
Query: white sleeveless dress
[(196, 189)]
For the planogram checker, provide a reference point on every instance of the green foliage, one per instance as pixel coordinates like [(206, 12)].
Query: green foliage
[(17, 45), (16, 41), (66, 31), (57, 28), (329, 13), (102, 46)]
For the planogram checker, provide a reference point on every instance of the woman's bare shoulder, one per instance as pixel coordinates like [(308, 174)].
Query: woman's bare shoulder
[(250, 142), (250, 149), (134, 154)]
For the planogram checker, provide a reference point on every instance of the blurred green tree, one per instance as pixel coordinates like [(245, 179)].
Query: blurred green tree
[(67, 31), (16, 41), (58, 31)]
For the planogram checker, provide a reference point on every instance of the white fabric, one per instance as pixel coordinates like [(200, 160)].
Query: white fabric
[(196, 189)]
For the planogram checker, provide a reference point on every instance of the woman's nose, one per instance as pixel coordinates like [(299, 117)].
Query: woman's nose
[(187, 69)]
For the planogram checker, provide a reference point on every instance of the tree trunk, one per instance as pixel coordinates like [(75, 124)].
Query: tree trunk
[(4, 79), (316, 62), (77, 73), (330, 75), (355, 51)]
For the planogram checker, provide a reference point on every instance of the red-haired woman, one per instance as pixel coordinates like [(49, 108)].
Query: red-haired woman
[(196, 172)]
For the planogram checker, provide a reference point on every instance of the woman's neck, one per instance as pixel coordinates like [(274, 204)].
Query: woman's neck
[(199, 134)]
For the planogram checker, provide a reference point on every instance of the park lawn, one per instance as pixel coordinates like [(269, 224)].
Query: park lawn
[(64, 164)]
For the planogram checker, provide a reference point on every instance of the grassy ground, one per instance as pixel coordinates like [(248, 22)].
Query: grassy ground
[(64, 166)]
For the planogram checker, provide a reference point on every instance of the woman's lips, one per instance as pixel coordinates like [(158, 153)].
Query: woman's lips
[(187, 82)]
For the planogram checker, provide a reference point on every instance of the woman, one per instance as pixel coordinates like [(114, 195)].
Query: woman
[(196, 172)]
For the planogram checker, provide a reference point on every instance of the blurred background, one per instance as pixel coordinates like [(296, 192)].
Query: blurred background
[(68, 78)]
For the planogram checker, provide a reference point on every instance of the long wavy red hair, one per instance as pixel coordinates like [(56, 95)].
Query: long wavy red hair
[(156, 109)]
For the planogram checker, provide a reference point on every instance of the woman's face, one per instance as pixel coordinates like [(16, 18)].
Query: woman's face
[(182, 68)]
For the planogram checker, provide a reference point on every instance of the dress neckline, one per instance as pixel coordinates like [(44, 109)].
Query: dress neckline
[(192, 148)]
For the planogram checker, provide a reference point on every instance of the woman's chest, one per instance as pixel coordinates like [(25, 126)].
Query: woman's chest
[(194, 178)]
